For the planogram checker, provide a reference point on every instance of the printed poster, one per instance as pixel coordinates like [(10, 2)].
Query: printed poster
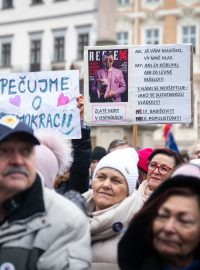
[(43, 100), (107, 76)]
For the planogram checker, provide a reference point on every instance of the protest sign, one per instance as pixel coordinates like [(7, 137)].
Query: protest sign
[(43, 100), (162, 84), (157, 82)]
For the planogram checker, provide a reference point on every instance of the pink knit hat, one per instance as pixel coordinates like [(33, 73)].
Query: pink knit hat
[(143, 158), (53, 155)]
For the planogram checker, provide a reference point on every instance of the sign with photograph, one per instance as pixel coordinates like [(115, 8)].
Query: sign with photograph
[(127, 85)]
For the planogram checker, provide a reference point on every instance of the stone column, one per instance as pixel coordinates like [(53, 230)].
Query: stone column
[(106, 22)]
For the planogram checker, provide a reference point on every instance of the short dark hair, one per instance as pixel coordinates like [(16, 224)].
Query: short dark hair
[(98, 152), (116, 143), (168, 152), (108, 53)]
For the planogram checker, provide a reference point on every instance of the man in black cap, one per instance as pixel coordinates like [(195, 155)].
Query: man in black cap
[(39, 229)]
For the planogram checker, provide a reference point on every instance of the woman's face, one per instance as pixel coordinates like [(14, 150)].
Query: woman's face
[(159, 169), (176, 228), (109, 188)]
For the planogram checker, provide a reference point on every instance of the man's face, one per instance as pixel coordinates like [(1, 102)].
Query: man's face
[(108, 61), (17, 166)]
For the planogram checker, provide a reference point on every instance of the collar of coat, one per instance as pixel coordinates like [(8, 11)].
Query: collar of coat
[(26, 203)]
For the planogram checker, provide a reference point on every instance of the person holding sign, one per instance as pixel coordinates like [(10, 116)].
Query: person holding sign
[(109, 83)]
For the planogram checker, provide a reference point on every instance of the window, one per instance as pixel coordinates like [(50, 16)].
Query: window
[(35, 55), (152, 36), (152, 1), (5, 55), (189, 35), (7, 4), (59, 49), (83, 40), (122, 38), (123, 2), (152, 4), (35, 2), (5, 51)]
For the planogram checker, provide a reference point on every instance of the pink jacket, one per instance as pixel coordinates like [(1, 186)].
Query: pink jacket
[(115, 83)]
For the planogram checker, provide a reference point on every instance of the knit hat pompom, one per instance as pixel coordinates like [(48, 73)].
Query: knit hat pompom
[(53, 155), (123, 160)]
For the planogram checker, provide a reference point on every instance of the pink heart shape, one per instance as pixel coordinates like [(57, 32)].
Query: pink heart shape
[(15, 100), (62, 100)]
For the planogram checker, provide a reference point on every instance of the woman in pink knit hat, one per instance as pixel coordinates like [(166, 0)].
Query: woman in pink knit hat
[(161, 164), (143, 155)]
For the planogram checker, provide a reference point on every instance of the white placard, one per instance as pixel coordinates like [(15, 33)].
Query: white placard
[(151, 84), (162, 84), (43, 100)]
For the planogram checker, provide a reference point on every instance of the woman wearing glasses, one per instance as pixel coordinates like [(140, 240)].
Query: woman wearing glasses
[(160, 166)]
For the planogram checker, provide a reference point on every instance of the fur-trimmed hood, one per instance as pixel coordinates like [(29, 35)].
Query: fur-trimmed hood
[(53, 155)]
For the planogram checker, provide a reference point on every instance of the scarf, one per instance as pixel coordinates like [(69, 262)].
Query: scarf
[(144, 190)]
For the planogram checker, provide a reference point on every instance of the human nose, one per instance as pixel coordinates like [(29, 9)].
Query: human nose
[(156, 170), (106, 183), (170, 225), (16, 158)]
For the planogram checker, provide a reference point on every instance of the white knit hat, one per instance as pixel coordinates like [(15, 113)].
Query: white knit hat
[(123, 160)]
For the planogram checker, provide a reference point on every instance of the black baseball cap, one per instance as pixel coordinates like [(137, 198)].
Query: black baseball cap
[(10, 125)]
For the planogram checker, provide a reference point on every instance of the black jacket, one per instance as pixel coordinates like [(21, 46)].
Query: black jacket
[(79, 171)]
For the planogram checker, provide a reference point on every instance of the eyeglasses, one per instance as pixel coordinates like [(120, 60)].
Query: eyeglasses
[(110, 60), (163, 169)]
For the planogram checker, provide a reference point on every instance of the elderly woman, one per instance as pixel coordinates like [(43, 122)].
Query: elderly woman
[(165, 233), (161, 164), (111, 203)]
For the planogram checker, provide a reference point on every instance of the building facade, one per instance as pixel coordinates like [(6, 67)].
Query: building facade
[(45, 34), (51, 35), (165, 22)]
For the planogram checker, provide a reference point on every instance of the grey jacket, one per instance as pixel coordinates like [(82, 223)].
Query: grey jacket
[(44, 230)]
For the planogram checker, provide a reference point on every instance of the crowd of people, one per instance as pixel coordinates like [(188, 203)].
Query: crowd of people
[(64, 205)]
